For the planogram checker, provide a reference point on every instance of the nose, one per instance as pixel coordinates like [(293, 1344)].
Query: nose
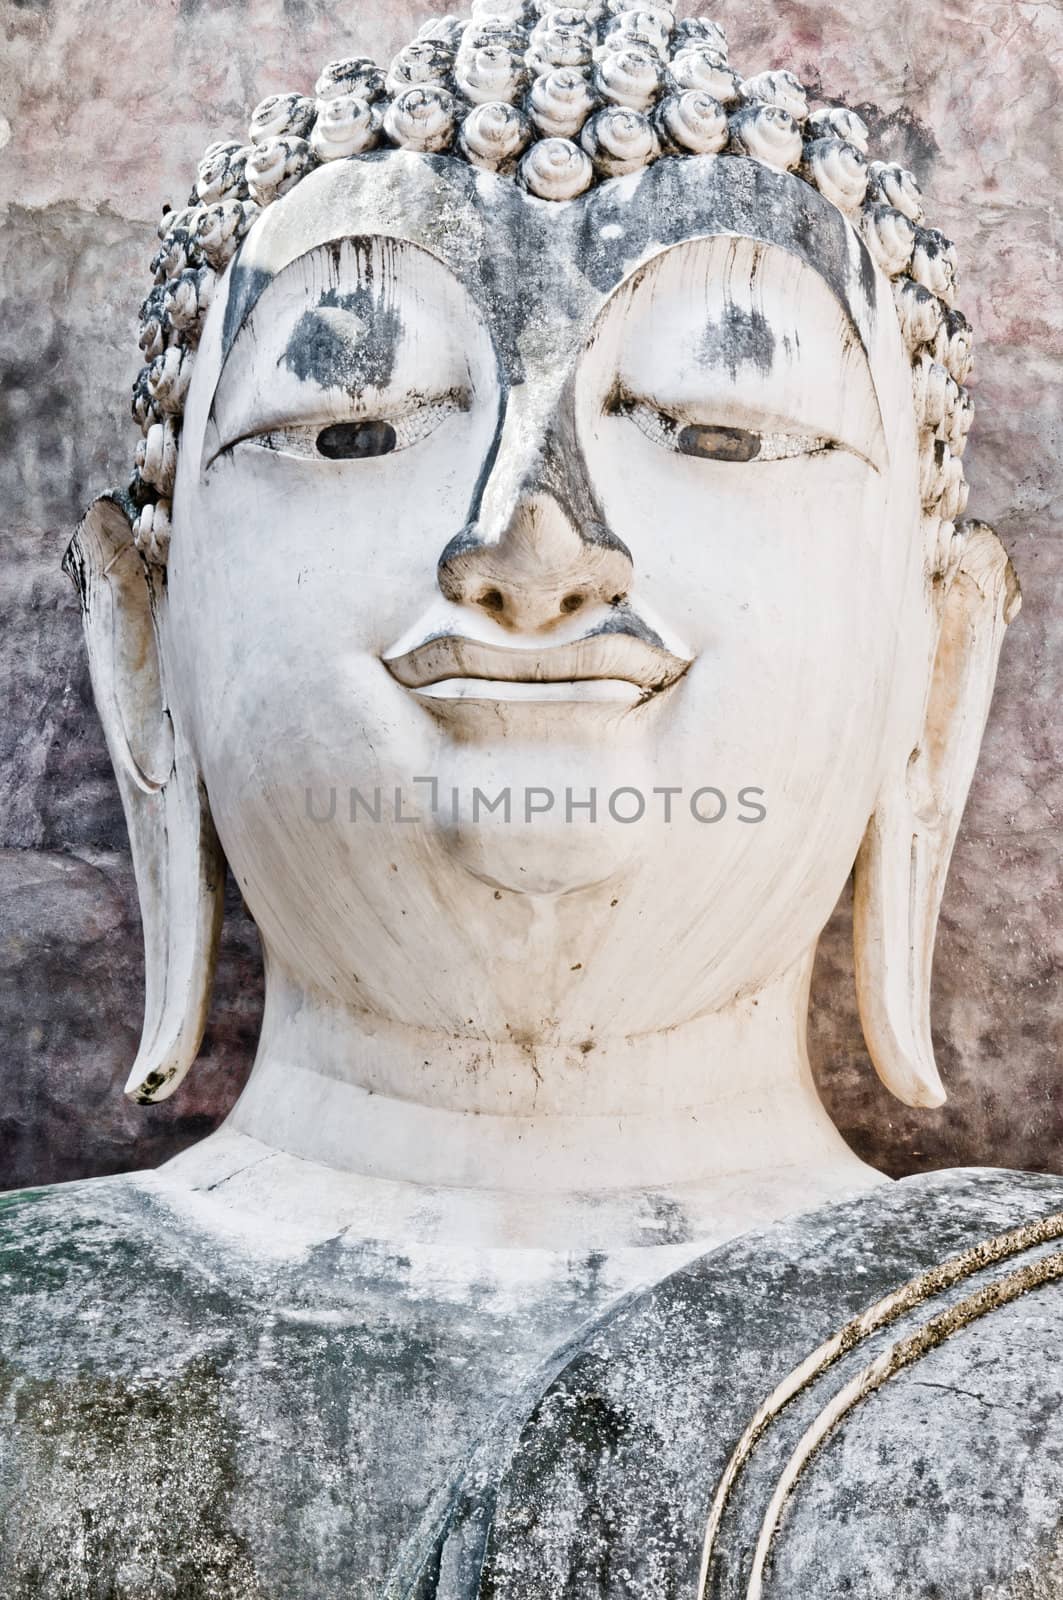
[(537, 551), (540, 569)]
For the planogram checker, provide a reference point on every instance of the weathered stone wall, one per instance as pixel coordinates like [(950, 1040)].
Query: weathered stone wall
[(107, 106)]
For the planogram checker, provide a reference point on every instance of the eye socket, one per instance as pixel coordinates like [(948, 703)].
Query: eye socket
[(710, 441), (356, 441)]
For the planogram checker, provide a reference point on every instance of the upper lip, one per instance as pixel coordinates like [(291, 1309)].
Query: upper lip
[(615, 652)]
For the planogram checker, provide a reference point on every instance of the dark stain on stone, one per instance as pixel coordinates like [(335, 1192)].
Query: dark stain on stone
[(624, 620), (669, 1223), (190, 9), (868, 282), (484, 475), (245, 288), (35, 397), (560, 471), (575, 1428), (566, 476), (149, 1089), (321, 350), (503, 280), (900, 136), (896, 135), (741, 338)]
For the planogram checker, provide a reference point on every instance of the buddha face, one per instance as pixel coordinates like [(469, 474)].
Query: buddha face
[(482, 496)]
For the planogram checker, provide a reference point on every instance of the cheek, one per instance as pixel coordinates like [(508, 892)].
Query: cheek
[(793, 574), (287, 580), (293, 569), (798, 587), (356, 529), (291, 714)]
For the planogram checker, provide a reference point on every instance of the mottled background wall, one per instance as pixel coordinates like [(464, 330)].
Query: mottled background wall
[(107, 105)]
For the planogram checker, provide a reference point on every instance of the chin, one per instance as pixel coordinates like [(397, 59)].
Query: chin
[(540, 857), (541, 838)]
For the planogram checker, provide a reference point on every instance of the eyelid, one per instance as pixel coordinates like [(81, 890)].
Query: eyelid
[(645, 410), (381, 409)]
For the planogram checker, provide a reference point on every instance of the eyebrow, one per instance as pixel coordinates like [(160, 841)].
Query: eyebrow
[(602, 237)]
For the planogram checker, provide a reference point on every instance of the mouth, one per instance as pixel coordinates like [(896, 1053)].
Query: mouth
[(612, 664)]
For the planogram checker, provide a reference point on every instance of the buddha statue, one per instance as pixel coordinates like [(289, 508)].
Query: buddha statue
[(544, 576)]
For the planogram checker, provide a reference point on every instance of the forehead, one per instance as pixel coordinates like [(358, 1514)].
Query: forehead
[(535, 267)]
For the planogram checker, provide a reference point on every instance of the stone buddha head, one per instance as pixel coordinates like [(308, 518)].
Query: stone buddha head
[(542, 578)]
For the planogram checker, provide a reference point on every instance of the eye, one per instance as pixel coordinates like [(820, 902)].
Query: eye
[(708, 441), (364, 439), (718, 444), (354, 441)]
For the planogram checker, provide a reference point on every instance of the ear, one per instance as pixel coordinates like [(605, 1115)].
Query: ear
[(904, 859), (179, 867)]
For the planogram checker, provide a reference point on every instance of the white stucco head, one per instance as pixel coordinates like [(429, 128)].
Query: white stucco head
[(542, 464), (535, 424)]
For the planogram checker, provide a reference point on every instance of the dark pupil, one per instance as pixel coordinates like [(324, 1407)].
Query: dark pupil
[(354, 441), (719, 444)]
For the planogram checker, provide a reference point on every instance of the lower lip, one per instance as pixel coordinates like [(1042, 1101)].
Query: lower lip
[(583, 691)]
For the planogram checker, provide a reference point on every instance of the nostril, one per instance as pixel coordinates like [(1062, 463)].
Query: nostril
[(492, 600), (618, 600), (571, 602)]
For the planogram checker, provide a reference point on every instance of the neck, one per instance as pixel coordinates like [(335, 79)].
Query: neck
[(724, 1095)]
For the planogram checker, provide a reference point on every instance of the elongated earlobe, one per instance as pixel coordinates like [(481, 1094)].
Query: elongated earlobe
[(904, 859), (178, 862)]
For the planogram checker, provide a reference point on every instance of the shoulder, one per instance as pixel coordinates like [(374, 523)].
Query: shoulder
[(120, 1330), (77, 1256), (923, 1455), (64, 1237), (110, 1308)]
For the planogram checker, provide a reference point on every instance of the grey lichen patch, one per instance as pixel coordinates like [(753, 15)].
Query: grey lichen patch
[(906, 1352), (128, 1485), (915, 1293), (1043, 1583), (19, 1199)]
